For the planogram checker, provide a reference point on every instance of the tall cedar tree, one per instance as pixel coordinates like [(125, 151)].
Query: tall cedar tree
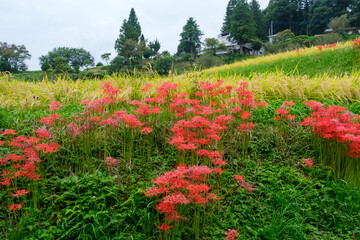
[(226, 25), (190, 41), (130, 30), (242, 24), (283, 14), (260, 21)]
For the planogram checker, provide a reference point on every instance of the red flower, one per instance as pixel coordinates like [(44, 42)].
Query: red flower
[(244, 184), (110, 162), (165, 227), (42, 133), (15, 206), (54, 106), (308, 162), (231, 234), (146, 130), (8, 132), (22, 192)]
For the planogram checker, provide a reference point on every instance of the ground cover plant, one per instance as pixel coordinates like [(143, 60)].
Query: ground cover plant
[(162, 160)]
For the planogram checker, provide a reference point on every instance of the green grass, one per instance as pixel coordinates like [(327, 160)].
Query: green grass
[(337, 62)]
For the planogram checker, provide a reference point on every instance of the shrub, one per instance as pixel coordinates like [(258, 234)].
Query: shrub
[(207, 60)]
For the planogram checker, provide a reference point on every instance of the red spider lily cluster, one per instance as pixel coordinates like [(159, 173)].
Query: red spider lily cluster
[(335, 123), (356, 43), (243, 184), (308, 162), (284, 112), (326, 46), (183, 186), (23, 164), (231, 234)]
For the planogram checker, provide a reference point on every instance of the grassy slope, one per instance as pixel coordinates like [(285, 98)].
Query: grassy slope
[(312, 62)]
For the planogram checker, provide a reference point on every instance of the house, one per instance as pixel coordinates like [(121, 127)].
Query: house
[(233, 47), (349, 30)]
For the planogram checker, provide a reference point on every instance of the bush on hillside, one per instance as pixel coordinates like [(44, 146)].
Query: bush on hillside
[(207, 60)]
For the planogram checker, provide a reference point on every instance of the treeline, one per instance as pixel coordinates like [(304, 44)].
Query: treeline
[(244, 22)]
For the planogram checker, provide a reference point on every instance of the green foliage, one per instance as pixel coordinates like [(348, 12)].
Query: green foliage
[(242, 24), (259, 19), (283, 35), (329, 39), (336, 62), (301, 41), (190, 41), (64, 59), (152, 50), (106, 57), (207, 60), (12, 57), (229, 8), (339, 24), (130, 30), (212, 45), (163, 64)]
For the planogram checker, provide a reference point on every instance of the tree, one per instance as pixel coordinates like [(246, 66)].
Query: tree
[(153, 49), (190, 41), (212, 45), (229, 8), (164, 63), (106, 57), (242, 25), (259, 20), (130, 30), (339, 24), (355, 14), (64, 59), (12, 57), (283, 35), (283, 13)]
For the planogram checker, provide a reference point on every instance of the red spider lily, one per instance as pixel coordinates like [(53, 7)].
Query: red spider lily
[(330, 45), (54, 106), (74, 129), (15, 207), (283, 114), (290, 104), (48, 148), (218, 171), (21, 142), (166, 87), (182, 186), (111, 162), (22, 192), (245, 115), (356, 43), (42, 133), (241, 181), (320, 48), (49, 120), (165, 227), (8, 132), (308, 162), (146, 130), (246, 126), (110, 91), (1, 143), (231, 234)]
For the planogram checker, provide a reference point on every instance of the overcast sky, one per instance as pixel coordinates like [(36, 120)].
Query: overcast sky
[(42, 25)]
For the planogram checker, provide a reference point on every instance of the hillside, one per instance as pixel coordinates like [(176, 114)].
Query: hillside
[(336, 60)]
